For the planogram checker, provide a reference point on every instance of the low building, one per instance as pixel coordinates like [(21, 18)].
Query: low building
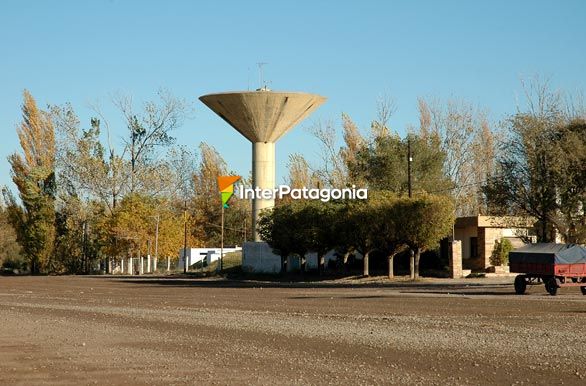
[(479, 234)]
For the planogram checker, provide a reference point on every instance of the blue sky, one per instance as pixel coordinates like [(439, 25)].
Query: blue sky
[(352, 52)]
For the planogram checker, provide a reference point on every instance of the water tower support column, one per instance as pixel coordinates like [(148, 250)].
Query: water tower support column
[(263, 176)]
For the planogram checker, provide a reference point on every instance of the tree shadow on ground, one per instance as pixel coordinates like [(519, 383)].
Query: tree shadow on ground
[(422, 286)]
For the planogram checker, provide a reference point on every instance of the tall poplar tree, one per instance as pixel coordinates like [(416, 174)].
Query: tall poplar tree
[(33, 173)]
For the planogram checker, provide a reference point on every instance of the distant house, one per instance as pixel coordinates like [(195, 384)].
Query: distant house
[(478, 235)]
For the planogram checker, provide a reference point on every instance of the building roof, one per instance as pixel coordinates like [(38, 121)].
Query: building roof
[(495, 222)]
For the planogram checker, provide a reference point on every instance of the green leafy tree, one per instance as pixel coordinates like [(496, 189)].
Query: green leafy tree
[(424, 221), (571, 219), (315, 221), (383, 164), (78, 246), (274, 227), (388, 227), (360, 219), (299, 227)]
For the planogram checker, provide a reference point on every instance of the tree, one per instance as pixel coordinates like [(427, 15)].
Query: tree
[(10, 249), (332, 172), (171, 236), (95, 175), (147, 132), (541, 169), (344, 231), (388, 228), (453, 151), (424, 221), (468, 142), (271, 227), (183, 166), (299, 227), (571, 175), (383, 164), (385, 223), (300, 173), (354, 142), (90, 169), (360, 221), (206, 203), (131, 221), (77, 244), (86, 169), (315, 225), (33, 173)]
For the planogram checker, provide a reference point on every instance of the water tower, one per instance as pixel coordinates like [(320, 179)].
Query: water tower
[(262, 116)]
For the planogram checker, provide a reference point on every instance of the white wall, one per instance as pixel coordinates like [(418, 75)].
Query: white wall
[(195, 255), (259, 257)]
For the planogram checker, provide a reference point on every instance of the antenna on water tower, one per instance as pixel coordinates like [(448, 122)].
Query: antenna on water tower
[(263, 85)]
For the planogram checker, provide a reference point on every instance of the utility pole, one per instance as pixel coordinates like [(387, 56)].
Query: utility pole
[(149, 256), (409, 160), (185, 237), (84, 248), (140, 262), (221, 242), (156, 244)]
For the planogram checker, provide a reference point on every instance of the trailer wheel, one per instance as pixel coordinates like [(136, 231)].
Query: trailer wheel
[(520, 284), (551, 286)]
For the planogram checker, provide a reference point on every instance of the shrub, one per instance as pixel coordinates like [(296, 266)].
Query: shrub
[(14, 263), (500, 253)]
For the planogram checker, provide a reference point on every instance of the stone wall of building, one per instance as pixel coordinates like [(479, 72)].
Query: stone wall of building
[(486, 242), (455, 259)]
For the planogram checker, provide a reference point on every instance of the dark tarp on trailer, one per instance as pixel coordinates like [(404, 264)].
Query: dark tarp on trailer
[(548, 253)]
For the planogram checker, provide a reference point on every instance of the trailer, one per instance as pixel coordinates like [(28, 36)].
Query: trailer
[(554, 265)]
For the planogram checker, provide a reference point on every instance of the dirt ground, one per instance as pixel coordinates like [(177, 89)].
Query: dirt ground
[(113, 330)]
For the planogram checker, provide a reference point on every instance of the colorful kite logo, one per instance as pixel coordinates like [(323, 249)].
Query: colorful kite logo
[(226, 187)]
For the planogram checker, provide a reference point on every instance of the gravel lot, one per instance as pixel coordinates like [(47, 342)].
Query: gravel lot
[(100, 330)]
